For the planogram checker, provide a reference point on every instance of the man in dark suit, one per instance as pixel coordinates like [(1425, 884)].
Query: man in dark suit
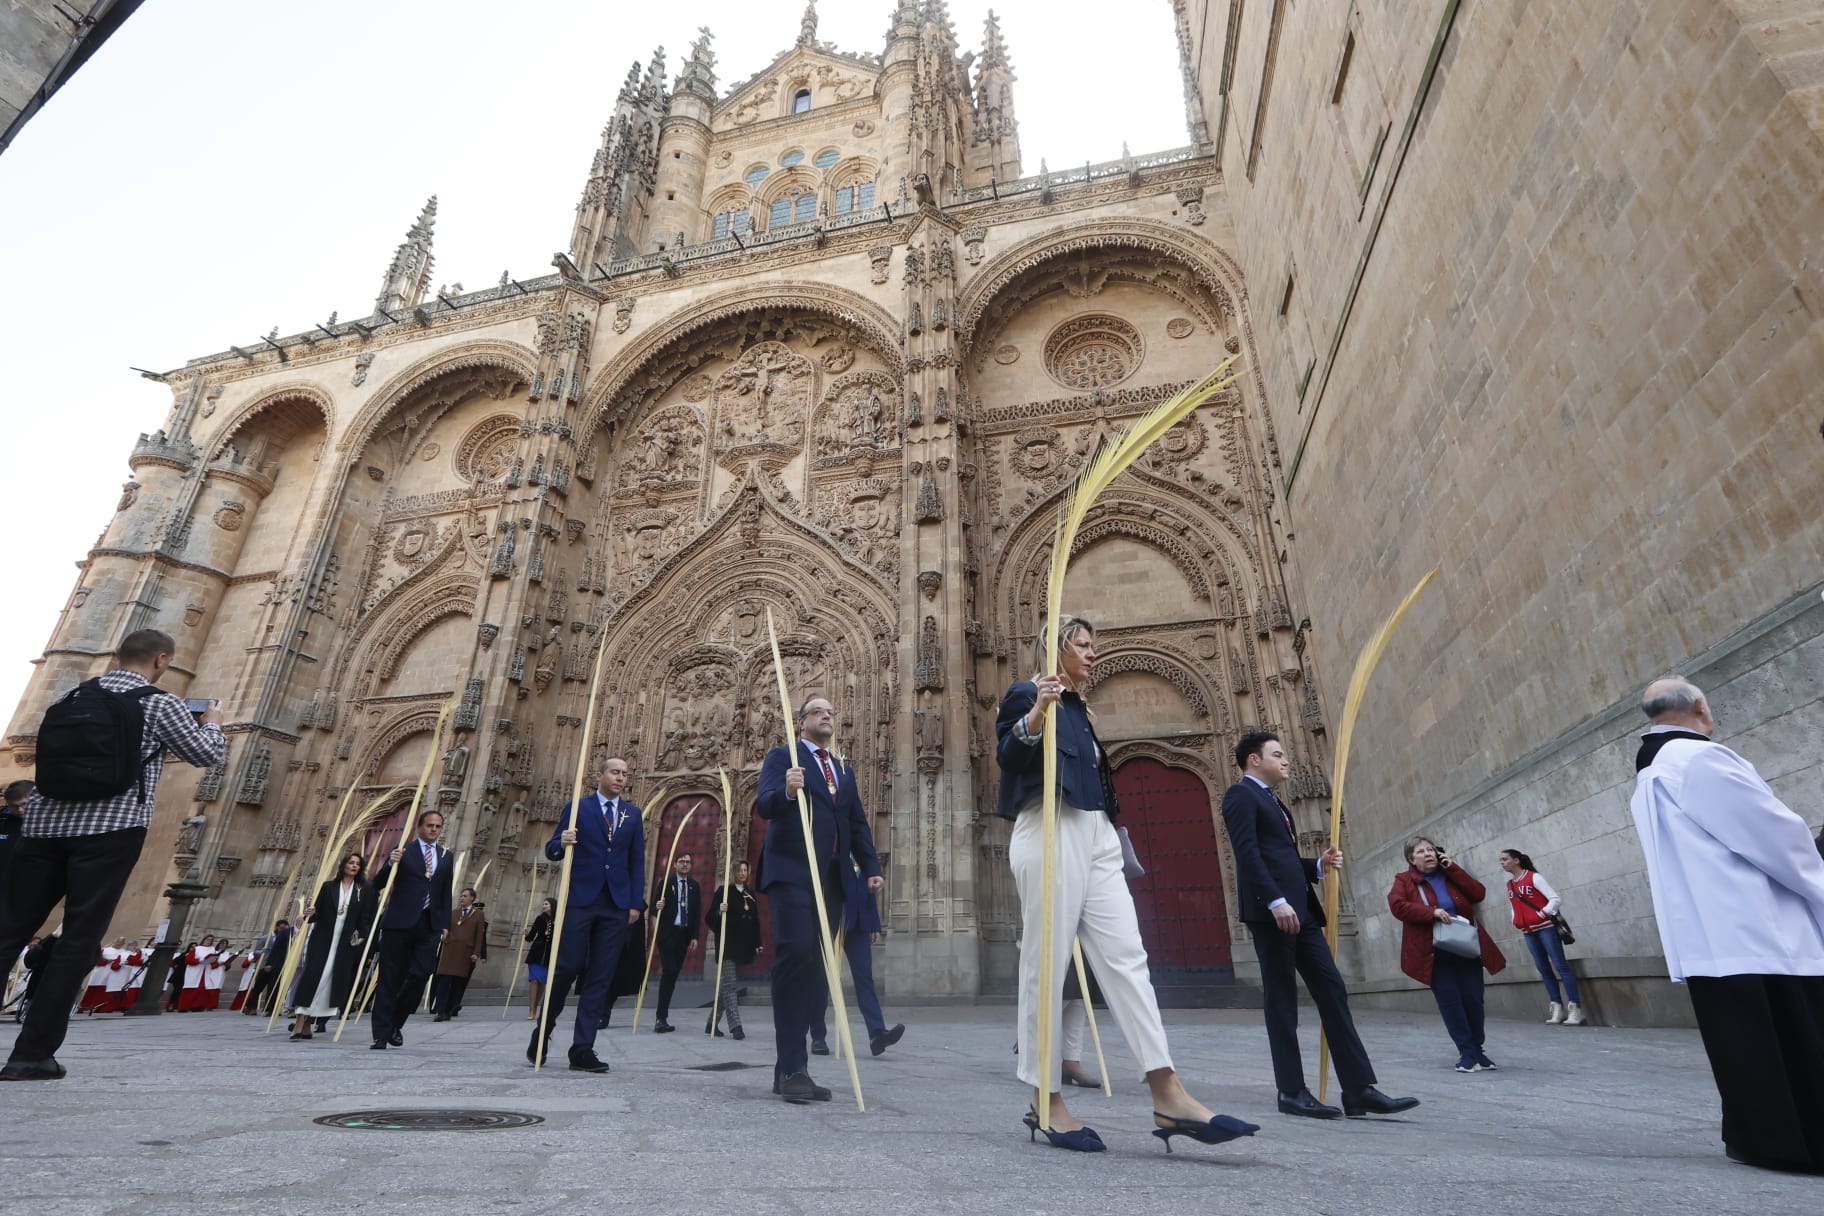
[(677, 913), (413, 925), (1286, 920), (839, 838), (860, 928), (266, 978), (607, 877)]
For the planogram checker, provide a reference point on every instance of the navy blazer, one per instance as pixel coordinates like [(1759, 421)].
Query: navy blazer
[(620, 867), (1267, 864), (406, 903), (666, 925), (1082, 773), (782, 862), (861, 915)]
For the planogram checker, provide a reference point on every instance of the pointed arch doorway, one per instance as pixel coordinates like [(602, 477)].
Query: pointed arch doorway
[(1184, 918)]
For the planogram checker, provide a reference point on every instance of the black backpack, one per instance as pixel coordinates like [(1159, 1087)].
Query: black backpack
[(91, 744)]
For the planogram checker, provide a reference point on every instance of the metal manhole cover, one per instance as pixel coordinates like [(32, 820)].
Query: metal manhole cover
[(430, 1120), (726, 1066)]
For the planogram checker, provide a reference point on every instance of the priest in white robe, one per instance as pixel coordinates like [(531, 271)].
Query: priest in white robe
[(1738, 890), (118, 975)]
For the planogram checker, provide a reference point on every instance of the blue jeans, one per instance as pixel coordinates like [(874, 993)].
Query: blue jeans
[(1548, 953), (1456, 984)]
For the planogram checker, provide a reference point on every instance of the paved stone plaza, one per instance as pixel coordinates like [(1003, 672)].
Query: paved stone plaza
[(203, 1114)]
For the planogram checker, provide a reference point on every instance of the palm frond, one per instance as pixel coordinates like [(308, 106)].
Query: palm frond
[(1365, 664)]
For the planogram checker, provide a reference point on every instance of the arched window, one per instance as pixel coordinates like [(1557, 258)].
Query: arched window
[(801, 101), (792, 209), (856, 197), (756, 174), (737, 222), (791, 158), (826, 158)]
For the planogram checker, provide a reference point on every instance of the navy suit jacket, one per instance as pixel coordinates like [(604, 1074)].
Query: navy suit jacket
[(841, 819), (620, 867), (406, 903), (1267, 864)]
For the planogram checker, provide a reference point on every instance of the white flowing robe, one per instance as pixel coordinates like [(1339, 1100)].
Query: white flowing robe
[(1738, 887), (117, 976)]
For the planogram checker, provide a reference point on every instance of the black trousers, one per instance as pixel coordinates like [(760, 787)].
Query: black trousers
[(446, 994), (671, 961), (265, 987), (1284, 958), (407, 959), (799, 987), (1764, 1035), (87, 873)]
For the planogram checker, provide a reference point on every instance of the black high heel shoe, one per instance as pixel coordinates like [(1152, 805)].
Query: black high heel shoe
[(1219, 1130), (1083, 1140)]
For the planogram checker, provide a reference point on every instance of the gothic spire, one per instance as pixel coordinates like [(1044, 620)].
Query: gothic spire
[(630, 91), (409, 275), (700, 69), (807, 27), (653, 87), (994, 48)]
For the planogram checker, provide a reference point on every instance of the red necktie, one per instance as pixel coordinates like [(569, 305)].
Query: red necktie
[(1290, 830), (829, 776)]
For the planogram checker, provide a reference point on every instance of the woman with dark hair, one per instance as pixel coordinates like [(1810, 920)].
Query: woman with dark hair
[(1434, 890), (339, 923), (1535, 915), (538, 956), (1091, 900)]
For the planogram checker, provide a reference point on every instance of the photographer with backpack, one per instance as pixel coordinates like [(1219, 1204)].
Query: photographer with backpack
[(101, 749)]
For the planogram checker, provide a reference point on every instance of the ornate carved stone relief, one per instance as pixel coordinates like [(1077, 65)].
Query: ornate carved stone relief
[(1093, 351)]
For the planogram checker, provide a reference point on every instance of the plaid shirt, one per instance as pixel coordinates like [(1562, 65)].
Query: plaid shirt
[(169, 727)]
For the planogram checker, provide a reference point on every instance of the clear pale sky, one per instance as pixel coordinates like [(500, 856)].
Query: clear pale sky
[(220, 168)]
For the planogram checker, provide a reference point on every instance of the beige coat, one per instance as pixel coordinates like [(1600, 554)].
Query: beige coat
[(468, 936)]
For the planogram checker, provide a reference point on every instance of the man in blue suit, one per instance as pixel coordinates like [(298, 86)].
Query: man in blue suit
[(607, 881), (860, 934), (414, 923), (1286, 920), (839, 838)]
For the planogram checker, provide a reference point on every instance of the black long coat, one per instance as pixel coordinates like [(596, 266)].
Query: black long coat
[(355, 930)]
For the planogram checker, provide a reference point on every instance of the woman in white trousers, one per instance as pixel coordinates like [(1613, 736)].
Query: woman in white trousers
[(1092, 903)]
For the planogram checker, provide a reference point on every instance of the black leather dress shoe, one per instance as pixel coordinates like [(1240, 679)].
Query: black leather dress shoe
[(586, 1061), (442, 1017), (1360, 1103), (32, 1070), (737, 1034), (398, 1040), (1743, 1157), (1306, 1104), (798, 1089), (820, 1049), (378, 1045), (662, 1027), (886, 1038)]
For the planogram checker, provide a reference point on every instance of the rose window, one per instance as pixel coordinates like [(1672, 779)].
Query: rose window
[(1093, 352)]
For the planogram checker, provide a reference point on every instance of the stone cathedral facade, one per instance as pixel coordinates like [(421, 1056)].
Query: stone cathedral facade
[(821, 344)]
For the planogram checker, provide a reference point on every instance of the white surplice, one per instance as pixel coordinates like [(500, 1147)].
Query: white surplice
[(1738, 887)]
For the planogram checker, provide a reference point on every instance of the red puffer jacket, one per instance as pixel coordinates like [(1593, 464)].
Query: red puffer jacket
[(1413, 903)]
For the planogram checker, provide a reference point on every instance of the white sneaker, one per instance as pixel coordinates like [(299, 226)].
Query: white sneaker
[(1555, 1015), (1575, 1015)]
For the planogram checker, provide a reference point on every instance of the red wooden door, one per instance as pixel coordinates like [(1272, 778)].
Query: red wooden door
[(1166, 812)]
